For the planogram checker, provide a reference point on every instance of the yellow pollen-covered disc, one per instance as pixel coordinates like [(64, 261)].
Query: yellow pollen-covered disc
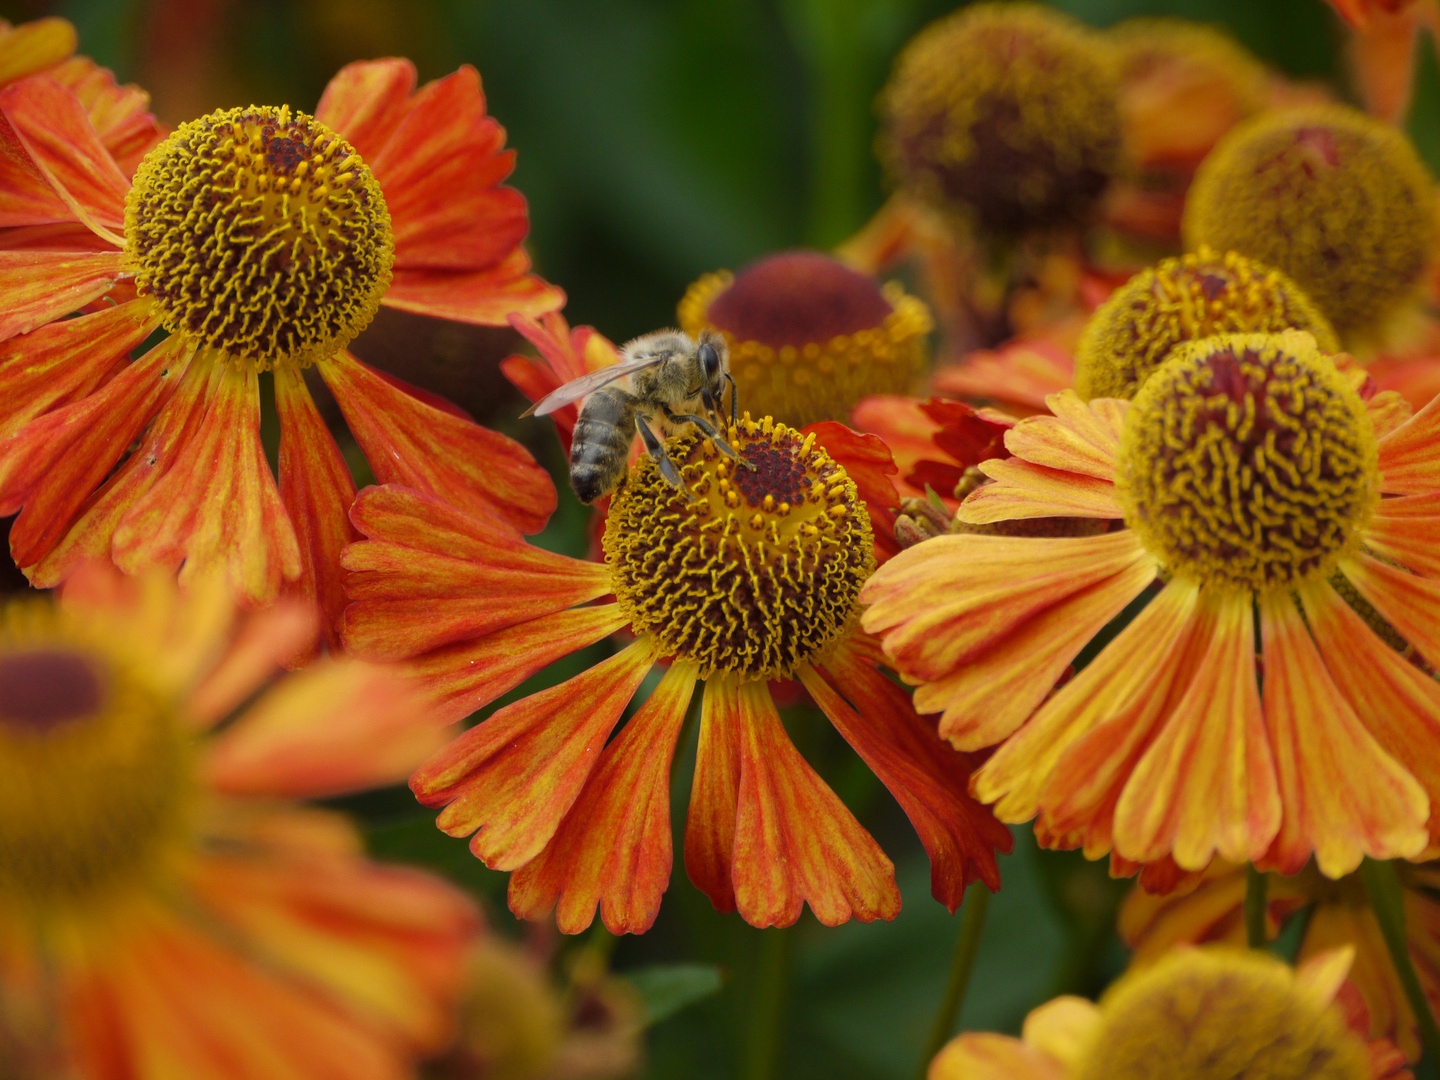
[(94, 769), (747, 571), (260, 234), (1219, 1014), (1248, 462)]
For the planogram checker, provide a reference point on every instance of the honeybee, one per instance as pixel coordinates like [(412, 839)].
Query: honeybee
[(664, 380)]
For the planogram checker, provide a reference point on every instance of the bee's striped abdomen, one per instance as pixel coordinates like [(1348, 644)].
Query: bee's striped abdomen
[(601, 444)]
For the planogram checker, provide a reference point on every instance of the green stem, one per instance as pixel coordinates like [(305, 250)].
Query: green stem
[(972, 923), (767, 1013), (1257, 923), (1387, 901)]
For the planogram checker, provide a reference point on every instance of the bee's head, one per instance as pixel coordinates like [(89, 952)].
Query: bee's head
[(712, 354)]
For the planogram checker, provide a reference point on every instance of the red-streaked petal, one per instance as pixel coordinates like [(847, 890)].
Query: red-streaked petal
[(333, 728), (316, 490), (120, 113), (409, 442), (1344, 797), (1409, 603), (795, 841), (1023, 373), (487, 297), (266, 640), (614, 848), (946, 601), (1396, 701), (34, 46), (565, 355), (1404, 529), (56, 461), (217, 505), (514, 777), (929, 779), (1023, 490), (461, 678), (62, 142), (984, 700), (1080, 438), (866, 460), (1410, 455), (30, 198), (715, 795), (440, 171), (1207, 785), (64, 361), (38, 287), (365, 102)]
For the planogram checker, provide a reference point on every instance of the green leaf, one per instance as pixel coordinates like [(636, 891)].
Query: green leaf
[(668, 988)]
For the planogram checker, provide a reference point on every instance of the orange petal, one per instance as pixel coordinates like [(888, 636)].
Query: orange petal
[(795, 841), (120, 113), (1335, 925), (461, 678), (1397, 702), (64, 361), (333, 728), (268, 638), (1023, 373), (1207, 784), (1387, 411), (1409, 603), (41, 286), (929, 780), (34, 46), (1409, 461), (516, 775), (866, 460), (317, 490), (1344, 798), (432, 575), (440, 171), (408, 442), (1404, 529), (55, 131), (980, 1055), (1382, 61), (1080, 438), (1023, 490), (217, 504), (1118, 695), (985, 699), (715, 795), (488, 297), (948, 600), (614, 846), (365, 101), (30, 198)]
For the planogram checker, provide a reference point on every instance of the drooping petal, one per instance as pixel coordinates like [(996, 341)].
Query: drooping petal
[(981, 1055), (1023, 490), (431, 575), (1409, 603), (487, 297), (715, 795), (41, 286), (1404, 529), (1207, 784), (514, 777), (564, 355), (64, 361), (1398, 703), (929, 780), (217, 503), (1024, 373), (409, 442), (458, 679), (1344, 798), (1080, 438), (316, 489), (55, 131), (265, 640), (120, 113), (614, 848), (795, 841), (1409, 458), (365, 101), (866, 460)]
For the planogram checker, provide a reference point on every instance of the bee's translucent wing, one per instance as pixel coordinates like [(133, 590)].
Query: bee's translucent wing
[(588, 383)]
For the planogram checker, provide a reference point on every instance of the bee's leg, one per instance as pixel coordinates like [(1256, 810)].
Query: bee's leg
[(656, 449), (711, 432), (734, 398)]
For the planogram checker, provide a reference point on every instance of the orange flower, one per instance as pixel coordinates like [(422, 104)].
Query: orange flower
[(745, 577), (166, 909), (1196, 1014), (261, 239), (1252, 480), (1358, 13)]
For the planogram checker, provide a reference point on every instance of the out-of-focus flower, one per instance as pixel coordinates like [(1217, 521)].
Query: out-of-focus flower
[(1005, 115), (809, 337), (747, 575), (565, 354), (1359, 13), (1196, 1014), (166, 909), (261, 239), (1335, 199), (1249, 476)]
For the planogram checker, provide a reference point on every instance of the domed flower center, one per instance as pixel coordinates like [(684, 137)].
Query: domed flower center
[(1218, 1014), (260, 234), (747, 571), (93, 770), (1247, 462), (1185, 299)]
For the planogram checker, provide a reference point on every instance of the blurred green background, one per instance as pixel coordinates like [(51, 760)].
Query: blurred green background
[(660, 139)]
